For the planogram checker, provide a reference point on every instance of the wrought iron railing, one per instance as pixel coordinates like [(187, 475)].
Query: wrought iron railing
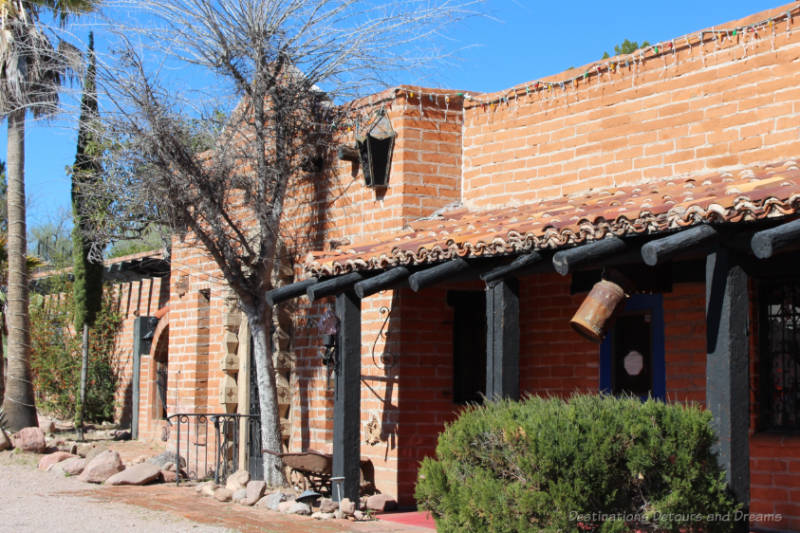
[(195, 444)]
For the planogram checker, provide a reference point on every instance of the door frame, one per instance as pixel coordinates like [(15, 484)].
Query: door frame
[(654, 303)]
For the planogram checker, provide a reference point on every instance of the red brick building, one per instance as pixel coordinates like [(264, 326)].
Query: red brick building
[(676, 166)]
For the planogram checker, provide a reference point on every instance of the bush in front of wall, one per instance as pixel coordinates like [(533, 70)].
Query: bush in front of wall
[(56, 360), (591, 463)]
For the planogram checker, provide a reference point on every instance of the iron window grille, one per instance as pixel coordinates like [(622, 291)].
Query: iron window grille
[(780, 354)]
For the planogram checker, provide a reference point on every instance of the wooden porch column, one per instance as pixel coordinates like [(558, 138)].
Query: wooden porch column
[(347, 400), (727, 367), (502, 339)]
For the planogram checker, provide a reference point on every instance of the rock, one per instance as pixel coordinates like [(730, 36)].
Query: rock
[(271, 501), (31, 440), (69, 467), (381, 503), (326, 505), (347, 507), (322, 516), (166, 458), (5, 442), (121, 435), (138, 474), (358, 515), (46, 462), (209, 489), (237, 480), (101, 467), (69, 447), (47, 425), (140, 459), (169, 476), (337, 514), (299, 508), (223, 494), (284, 507), (254, 491), (239, 495), (90, 451)]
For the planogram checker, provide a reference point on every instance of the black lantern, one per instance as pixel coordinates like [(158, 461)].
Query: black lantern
[(375, 147)]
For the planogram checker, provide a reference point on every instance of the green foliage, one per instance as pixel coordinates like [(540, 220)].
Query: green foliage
[(593, 463), (626, 47), (150, 239), (56, 359), (88, 286)]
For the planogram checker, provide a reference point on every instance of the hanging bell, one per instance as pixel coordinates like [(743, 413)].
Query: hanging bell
[(598, 310)]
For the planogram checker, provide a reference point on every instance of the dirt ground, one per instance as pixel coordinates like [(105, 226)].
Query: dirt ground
[(34, 501)]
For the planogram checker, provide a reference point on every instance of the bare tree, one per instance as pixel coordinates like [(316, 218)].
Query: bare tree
[(288, 64)]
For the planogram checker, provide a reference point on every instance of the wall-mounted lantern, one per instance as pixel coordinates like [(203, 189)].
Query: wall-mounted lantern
[(375, 146)]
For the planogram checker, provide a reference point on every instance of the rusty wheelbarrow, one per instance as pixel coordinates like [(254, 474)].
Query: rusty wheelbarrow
[(313, 470)]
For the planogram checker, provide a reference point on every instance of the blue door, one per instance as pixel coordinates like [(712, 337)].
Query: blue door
[(632, 354)]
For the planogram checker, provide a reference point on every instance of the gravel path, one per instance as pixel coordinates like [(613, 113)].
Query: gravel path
[(34, 501)]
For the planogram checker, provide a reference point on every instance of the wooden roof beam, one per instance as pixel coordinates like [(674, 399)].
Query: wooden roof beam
[(665, 248)]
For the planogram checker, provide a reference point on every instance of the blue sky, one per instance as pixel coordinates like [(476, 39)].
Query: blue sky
[(519, 41)]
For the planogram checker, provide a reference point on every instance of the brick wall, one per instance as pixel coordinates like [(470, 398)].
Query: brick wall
[(718, 105), (725, 103)]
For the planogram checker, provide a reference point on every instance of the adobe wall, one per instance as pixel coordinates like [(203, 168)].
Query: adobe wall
[(133, 299), (687, 111)]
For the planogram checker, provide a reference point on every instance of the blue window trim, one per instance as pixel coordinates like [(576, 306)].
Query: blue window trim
[(641, 302)]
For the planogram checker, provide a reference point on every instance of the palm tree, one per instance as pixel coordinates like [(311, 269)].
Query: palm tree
[(31, 72)]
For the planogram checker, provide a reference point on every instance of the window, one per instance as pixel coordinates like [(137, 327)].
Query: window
[(632, 354), (780, 354), (469, 345)]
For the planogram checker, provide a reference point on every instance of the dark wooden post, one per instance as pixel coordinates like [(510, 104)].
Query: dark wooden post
[(727, 365), (347, 401), (502, 339)]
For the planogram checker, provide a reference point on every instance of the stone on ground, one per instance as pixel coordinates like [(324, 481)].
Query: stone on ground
[(381, 503), (166, 458), (254, 491), (30, 440), (326, 505), (300, 508), (338, 515), (237, 480), (321, 516), (138, 474), (69, 467), (169, 476), (239, 495), (5, 442), (101, 467), (358, 515), (47, 462), (272, 501), (223, 494), (347, 507), (208, 489), (283, 507)]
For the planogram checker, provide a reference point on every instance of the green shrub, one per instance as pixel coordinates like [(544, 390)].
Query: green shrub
[(56, 361), (593, 463)]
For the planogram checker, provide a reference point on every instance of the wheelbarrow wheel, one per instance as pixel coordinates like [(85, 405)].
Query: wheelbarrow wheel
[(298, 480)]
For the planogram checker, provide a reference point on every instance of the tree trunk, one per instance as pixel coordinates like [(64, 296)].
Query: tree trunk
[(268, 399), (19, 401)]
